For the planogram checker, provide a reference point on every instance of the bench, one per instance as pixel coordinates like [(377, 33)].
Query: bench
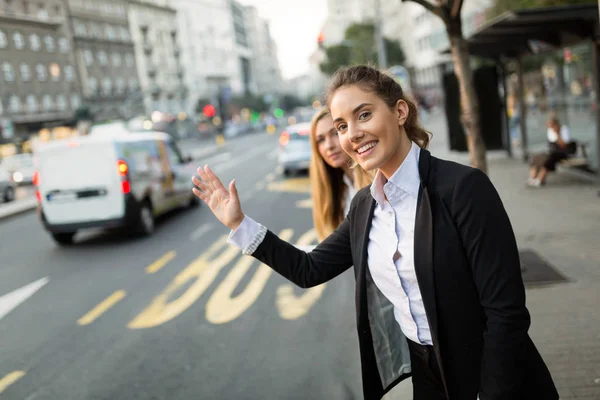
[(579, 159)]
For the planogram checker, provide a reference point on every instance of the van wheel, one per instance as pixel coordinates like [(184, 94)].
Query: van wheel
[(287, 172), (9, 194), (145, 221), (63, 239)]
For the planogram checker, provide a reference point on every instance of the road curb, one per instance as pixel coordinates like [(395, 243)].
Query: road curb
[(27, 206)]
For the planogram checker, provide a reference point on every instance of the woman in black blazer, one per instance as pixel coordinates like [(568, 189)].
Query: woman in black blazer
[(446, 302)]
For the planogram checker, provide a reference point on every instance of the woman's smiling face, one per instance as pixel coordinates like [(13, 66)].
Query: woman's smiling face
[(370, 131)]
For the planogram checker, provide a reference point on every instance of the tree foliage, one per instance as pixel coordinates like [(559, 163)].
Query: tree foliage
[(359, 47)]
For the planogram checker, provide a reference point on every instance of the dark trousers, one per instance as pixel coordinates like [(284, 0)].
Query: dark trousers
[(426, 376)]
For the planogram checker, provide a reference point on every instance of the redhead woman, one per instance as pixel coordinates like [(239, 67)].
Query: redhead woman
[(439, 292), (334, 183)]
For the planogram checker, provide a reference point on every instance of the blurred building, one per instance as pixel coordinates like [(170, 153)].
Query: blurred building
[(105, 57), (215, 49), (343, 13), (423, 36), (264, 63), (39, 83), (153, 27)]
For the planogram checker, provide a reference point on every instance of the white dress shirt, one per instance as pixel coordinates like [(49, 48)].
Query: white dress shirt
[(350, 192), (565, 134), (392, 232)]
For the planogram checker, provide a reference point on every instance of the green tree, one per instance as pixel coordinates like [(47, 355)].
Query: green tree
[(359, 47)]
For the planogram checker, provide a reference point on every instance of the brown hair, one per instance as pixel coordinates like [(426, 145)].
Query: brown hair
[(388, 89), (328, 188)]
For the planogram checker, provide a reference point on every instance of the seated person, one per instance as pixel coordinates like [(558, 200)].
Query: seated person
[(560, 147)]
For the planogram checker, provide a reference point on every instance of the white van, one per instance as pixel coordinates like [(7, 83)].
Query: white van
[(121, 180)]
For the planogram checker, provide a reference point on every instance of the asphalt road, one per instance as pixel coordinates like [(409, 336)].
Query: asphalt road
[(179, 315)]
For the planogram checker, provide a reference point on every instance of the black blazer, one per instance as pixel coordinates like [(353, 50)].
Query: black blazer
[(468, 269)]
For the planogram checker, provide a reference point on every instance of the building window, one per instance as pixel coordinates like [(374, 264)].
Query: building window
[(63, 45), (42, 13), (47, 102), (14, 104), (25, 72), (129, 60), (31, 103), (107, 85), (96, 31), (133, 84), (9, 73), (124, 33), (34, 42), (40, 70), (68, 73), (88, 57), (102, 58), (80, 28), (75, 101), (93, 85), (54, 69), (61, 102), (110, 32), (1, 108), (49, 41), (3, 41), (18, 40), (120, 85), (116, 59)]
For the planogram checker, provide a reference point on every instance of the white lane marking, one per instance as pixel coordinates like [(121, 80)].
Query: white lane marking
[(238, 160), (11, 300), (218, 158), (198, 233)]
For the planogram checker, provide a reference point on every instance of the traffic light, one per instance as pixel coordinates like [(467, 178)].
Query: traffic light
[(321, 40), (209, 110)]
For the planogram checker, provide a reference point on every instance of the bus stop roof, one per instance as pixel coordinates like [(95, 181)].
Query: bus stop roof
[(517, 33)]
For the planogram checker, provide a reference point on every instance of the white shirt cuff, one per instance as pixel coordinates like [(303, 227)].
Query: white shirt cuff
[(248, 235)]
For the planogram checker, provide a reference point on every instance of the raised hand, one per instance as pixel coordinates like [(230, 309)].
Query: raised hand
[(225, 204)]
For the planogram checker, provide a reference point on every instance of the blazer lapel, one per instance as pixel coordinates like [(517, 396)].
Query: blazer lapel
[(364, 220), (424, 254), (424, 244)]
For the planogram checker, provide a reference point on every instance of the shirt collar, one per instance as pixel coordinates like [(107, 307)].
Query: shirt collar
[(405, 180)]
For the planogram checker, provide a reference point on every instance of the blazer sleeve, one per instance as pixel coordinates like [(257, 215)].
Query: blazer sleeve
[(491, 248), (327, 260)]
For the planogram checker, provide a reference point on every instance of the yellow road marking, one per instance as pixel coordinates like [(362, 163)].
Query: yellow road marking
[(202, 271), (288, 304), (9, 379), (222, 307), (306, 203), (161, 262), (101, 308), (295, 185)]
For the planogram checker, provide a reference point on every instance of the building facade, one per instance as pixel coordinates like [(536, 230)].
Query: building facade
[(38, 82), (265, 66), (105, 58), (215, 50), (153, 27)]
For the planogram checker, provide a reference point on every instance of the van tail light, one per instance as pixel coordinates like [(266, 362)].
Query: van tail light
[(284, 139), (36, 182), (123, 169)]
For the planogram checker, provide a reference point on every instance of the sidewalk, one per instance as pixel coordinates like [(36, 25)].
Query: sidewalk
[(561, 222)]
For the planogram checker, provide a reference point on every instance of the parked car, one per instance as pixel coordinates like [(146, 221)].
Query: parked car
[(7, 186), (21, 167), (116, 180), (294, 148)]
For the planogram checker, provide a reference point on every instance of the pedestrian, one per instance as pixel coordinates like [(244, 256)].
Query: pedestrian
[(560, 147), (334, 183), (439, 292)]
